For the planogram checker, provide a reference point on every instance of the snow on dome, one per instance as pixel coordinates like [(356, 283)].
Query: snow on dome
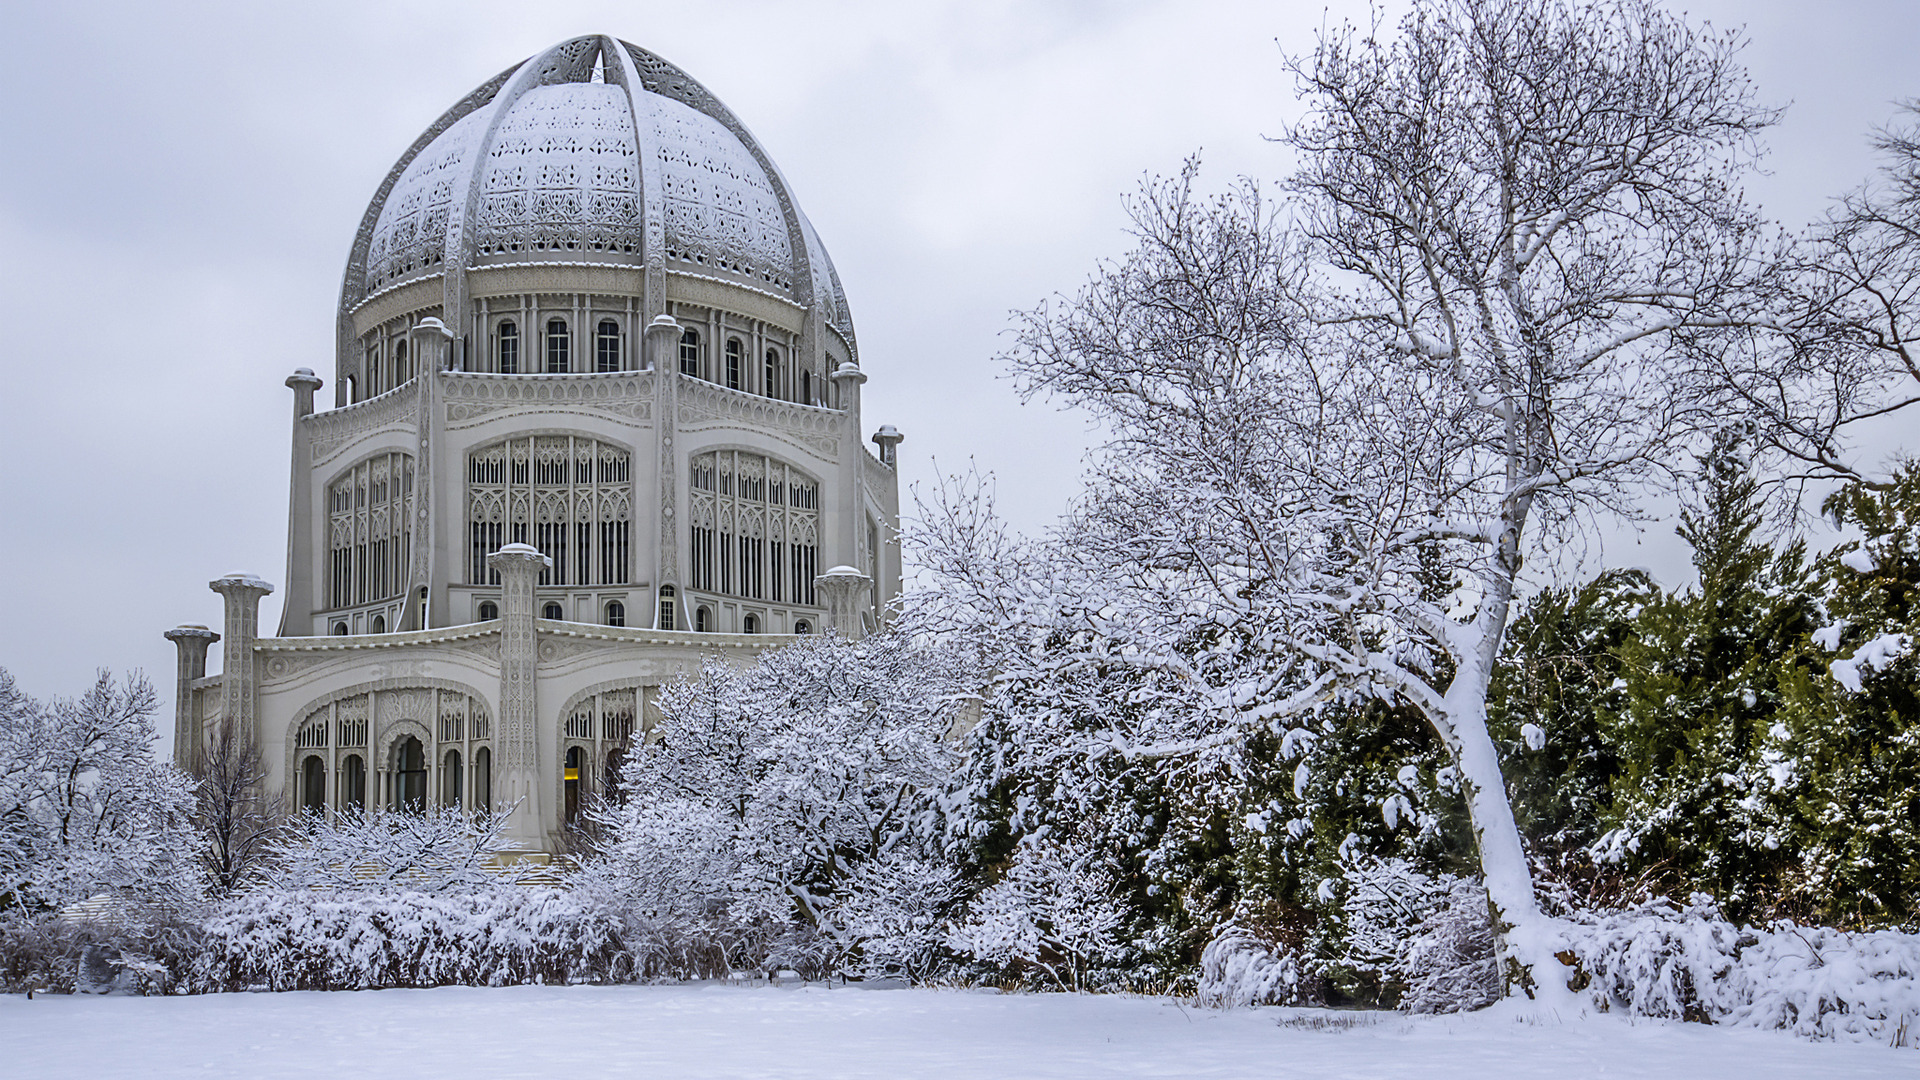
[(574, 155)]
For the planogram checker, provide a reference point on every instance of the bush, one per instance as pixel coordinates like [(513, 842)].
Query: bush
[(305, 941), (1691, 964)]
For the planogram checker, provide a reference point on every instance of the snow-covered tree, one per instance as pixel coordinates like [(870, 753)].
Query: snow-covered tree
[(233, 812), (85, 806), (762, 791), (444, 851), (1336, 450), (1053, 911)]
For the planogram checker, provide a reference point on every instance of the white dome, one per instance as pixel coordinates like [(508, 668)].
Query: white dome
[(578, 154)]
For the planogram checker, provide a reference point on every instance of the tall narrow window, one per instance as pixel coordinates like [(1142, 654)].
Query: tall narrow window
[(690, 353), (576, 760), (607, 347), (770, 384), (666, 609), (806, 387), (734, 363), (559, 348), (400, 372), (701, 618), (507, 341), (450, 779)]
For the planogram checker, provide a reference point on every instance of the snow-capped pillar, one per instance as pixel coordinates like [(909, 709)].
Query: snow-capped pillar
[(843, 592), (296, 614), (850, 493), (517, 761), (663, 352), (433, 350), (190, 643), (238, 683)]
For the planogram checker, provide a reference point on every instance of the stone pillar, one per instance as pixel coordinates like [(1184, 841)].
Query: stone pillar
[(850, 509), (516, 763), (238, 691), (296, 616), (191, 642), (843, 592), (663, 356)]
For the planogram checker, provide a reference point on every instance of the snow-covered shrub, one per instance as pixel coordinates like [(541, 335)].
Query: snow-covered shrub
[(1691, 964), (1239, 968), (115, 947), (893, 918), (439, 851), (762, 791), (501, 937), (1448, 964), (1053, 911)]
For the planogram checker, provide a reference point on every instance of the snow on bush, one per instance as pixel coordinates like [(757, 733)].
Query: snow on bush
[(1448, 965), (441, 851), (502, 937), (1690, 964), (1238, 968), (1053, 911)]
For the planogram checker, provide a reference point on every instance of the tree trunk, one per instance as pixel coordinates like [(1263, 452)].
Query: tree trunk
[(1525, 940)]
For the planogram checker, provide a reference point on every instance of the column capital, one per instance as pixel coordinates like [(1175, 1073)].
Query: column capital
[(182, 635), (842, 590), (519, 557), (847, 370), (239, 584)]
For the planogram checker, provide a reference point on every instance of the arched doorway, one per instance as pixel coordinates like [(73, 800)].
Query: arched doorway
[(409, 776), (574, 779), (313, 785), (353, 783), (450, 779)]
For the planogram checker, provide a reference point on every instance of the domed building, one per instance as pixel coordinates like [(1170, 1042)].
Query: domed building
[(596, 415)]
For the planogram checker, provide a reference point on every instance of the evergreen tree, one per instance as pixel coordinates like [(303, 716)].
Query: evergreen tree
[(1702, 680)]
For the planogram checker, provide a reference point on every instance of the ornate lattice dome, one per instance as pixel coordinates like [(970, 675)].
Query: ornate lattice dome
[(594, 152)]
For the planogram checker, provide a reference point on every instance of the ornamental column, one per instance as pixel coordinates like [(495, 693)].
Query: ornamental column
[(662, 353), (850, 513), (239, 694), (843, 592), (517, 743), (189, 741), (296, 615)]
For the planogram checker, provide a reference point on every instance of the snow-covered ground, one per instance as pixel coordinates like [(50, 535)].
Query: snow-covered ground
[(717, 1031)]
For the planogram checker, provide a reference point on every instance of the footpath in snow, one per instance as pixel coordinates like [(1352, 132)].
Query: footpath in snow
[(805, 1032)]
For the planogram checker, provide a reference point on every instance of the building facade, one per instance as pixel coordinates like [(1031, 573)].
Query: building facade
[(596, 416)]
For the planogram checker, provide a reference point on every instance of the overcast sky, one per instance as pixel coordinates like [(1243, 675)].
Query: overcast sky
[(179, 184)]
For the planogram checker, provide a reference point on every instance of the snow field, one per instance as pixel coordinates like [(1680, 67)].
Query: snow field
[(800, 1033)]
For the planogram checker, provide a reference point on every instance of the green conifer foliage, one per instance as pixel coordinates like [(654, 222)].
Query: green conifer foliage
[(1844, 763), (1701, 686)]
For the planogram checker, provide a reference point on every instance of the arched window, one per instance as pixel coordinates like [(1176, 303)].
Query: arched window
[(552, 611), (559, 348), (489, 611), (574, 781), (508, 347), (400, 373), (568, 495), (770, 385), (450, 779), (754, 529), (379, 624), (369, 543), (409, 776), (690, 353), (735, 360), (606, 346), (802, 626), (616, 613), (750, 624), (483, 780), (313, 785), (339, 629), (700, 619), (666, 621), (806, 387), (353, 783)]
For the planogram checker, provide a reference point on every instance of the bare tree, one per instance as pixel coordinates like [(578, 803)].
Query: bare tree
[(1829, 353), (238, 828), (1341, 444)]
